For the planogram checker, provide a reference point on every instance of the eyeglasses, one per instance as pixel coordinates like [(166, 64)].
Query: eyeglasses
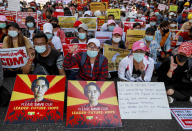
[(92, 48)]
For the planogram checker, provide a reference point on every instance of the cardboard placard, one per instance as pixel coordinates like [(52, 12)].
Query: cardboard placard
[(115, 12), (10, 15), (183, 117), (67, 21), (91, 22), (114, 56), (21, 17), (13, 57), (37, 99), (162, 7), (143, 100), (100, 21), (102, 6), (133, 36), (173, 8), (14, 5), (41, 22), (92, 104)]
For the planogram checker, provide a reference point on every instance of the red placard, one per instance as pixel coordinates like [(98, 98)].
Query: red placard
[(11, 15), (129, 25), (81, 48), (92, 104), (41, 22), (21, 16), (37, 99)]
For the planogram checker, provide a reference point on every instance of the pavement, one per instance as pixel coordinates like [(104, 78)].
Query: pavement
[(128, 125)]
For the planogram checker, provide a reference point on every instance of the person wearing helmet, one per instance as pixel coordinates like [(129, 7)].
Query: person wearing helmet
[(3, 25), (187, 25)]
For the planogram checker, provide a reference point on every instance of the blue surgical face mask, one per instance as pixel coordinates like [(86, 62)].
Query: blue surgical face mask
[(148, 38), (30, 24), (49, 36), (40, 49), (82, 36), (132, 20), (13, 33), (111, 28), (138, 57), (2, 25), (92, 53), (152, 23)]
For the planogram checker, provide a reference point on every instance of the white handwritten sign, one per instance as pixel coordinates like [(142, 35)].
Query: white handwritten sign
[(143, 100), (13, 57)]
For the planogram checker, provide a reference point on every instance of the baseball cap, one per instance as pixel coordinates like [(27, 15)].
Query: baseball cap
[(47, 28), (95, 41), (110, 22), (118, 30), (139, 45), (186, 48), (84, 26)]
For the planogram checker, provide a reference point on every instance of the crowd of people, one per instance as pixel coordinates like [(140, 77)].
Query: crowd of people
[(154, 56)]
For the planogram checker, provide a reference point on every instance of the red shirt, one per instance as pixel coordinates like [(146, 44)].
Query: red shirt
[(185, 36), (85, 71)]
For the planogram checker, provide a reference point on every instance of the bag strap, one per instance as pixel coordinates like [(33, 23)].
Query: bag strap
[(101, 59), (83, 58)]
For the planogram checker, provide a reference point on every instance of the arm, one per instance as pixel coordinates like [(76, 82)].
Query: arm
[(59, 64), (27, 68), (121, 69), (104, 70), (149, 71)]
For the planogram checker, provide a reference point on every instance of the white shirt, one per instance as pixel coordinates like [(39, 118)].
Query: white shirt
[(57, 43), (127, 75)]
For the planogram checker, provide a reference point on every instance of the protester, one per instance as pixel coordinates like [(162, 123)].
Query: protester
[(82, 35), (92, 65), (173, 70), (53, 41), (47, 61), (136, 67), (3, 25), (57, 31)]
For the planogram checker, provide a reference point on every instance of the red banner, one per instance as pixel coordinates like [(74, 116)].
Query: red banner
[(11, 15), (129, 25), (37, 99), (21, 17), (92, 104)]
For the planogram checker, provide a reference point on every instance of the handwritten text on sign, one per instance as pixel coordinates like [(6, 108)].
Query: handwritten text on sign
[(143, 100), (13, 57)]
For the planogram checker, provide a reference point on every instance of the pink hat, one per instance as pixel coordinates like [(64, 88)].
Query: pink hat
[(139, 45), (110, 22), (186, 48), (3, 18), (118, 30)]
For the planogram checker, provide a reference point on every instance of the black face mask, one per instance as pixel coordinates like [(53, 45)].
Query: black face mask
[(166, 31), (55, 25), (182, 58)]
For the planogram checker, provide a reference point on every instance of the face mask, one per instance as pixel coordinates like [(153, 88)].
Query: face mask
[(116, 40), (173, 25), (40, 49), (165, 16), (49, 36), (111, 28), (139, 15), (91, 53), (182, 58), (123, 18), (156, 13), (170, 17), (166, 31), (55, 33), (152, 23), (30, 24), (190, 21), (132, 20), (13, 33), (138, 57), (148, 38), (2, 25), (82, 36), (55, 25)]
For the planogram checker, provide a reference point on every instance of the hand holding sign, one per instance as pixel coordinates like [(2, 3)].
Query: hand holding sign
[(73, 48), (31, 54), (173, 66)]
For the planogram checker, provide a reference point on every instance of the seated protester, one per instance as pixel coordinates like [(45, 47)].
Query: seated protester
[(137, 26), (152, 23), (88, 13), (47, 61), (3, 25), (136, 67), (92, 64), (82, 34), (116, 40), (152, 45), (53, 41), (111, 25), (76, 25), (31, 26), (104, 26), (15, 39), (185, 36), (172, 71), (57, 30), (30, 9), (163, 38)]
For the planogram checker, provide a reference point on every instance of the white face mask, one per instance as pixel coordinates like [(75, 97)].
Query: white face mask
[(116, 40), (55, 33), (173, 25), (190, 21)]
